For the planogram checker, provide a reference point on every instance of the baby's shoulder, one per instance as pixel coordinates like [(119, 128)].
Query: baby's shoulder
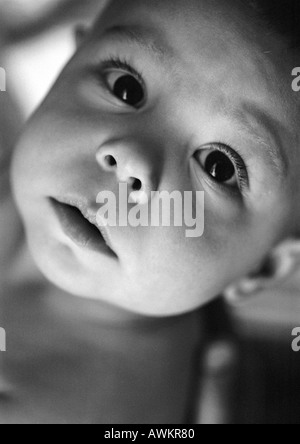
[(10, 223), (12, 241)]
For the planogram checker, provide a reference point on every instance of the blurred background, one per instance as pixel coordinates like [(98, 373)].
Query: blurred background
[(36, 40)]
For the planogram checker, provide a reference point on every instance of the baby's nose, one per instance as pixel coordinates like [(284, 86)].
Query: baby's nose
[(130, 166)]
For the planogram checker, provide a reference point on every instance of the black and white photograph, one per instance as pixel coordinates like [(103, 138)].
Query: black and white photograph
[(149, 215)]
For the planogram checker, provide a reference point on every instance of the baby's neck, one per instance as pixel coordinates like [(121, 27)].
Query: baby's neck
[(92, 361), (25, 272), (94, 311)]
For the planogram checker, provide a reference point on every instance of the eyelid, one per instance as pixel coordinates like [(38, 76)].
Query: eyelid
[(122, 65), (237, 160)]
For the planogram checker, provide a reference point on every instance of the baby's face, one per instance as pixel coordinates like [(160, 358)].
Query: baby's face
[(164, 95)]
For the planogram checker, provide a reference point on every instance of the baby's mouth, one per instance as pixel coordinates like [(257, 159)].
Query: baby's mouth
[(81, 227)]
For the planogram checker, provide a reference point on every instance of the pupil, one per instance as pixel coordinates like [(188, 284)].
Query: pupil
[(129, 90), (220, 167)]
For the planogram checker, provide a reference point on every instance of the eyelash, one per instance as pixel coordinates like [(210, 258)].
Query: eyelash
[(123, 64), (238, 162)]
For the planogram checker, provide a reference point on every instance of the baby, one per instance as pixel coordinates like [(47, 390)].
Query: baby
[(169, 95)]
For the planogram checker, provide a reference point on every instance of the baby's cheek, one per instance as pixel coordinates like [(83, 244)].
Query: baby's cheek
[(225, 245), (223, 224)]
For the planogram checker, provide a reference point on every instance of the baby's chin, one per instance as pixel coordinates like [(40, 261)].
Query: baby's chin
[(97, 277), (80, 283)]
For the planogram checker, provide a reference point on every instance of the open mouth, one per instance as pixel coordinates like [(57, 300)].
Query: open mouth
[(80, 228)]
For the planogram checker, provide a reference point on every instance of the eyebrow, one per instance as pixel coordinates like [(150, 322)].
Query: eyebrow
[(265, 130), (148, 39)]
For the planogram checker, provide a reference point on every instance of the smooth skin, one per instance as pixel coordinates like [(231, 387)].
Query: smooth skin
[(210, 76), (212, 79)]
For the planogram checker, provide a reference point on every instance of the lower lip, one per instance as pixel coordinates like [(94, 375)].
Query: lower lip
[(79, 230)]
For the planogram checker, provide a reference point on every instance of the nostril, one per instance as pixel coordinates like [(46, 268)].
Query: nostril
[(136, 184), (110, 161)]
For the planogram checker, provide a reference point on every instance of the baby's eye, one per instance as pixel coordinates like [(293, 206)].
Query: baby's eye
[(223, 165), (126, 88), (218, 166)]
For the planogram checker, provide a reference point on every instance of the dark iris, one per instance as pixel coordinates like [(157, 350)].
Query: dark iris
[(129, 90), (220, 167)]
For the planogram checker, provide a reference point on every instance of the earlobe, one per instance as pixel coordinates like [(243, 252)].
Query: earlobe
[(80, 32), (278, 267)]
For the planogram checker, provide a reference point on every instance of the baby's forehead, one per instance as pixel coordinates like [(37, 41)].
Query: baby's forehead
[(217, 49), (197, 23), (186, 14), (206, 34)]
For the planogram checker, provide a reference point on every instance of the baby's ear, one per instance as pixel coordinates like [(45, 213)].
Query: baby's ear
[(81, 31), (281, 263)]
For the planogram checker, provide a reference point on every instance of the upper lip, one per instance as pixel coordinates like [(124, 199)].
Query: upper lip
[(89, 214)]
